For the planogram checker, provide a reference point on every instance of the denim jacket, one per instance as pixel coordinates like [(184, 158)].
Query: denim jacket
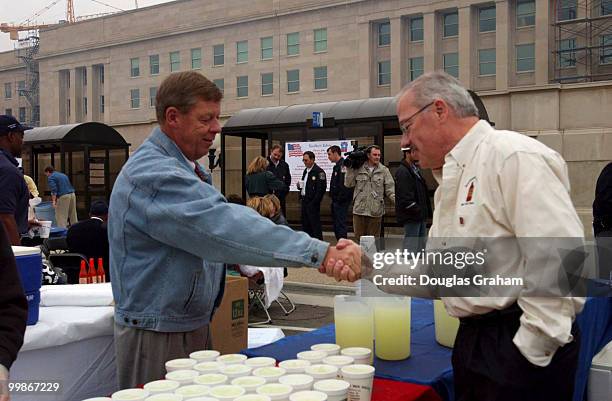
[(170, 233)]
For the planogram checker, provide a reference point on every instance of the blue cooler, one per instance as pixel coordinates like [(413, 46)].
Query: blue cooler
[(45, 211), (29, 265)]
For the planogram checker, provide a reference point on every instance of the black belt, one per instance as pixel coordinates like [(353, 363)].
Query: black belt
[(511, 311)]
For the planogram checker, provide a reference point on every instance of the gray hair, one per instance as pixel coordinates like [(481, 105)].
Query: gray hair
[(440, 85)]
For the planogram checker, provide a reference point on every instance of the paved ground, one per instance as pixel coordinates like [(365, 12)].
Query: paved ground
[(304, 318)]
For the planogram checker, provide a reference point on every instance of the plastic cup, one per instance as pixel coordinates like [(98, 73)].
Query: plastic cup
[(184, 377), (271, 374), (180, 364), (205, 355), (227, 392), (130, 394), (45, 228), (260, 362), (360, 378), (276, 391), (162, 387), (232, 359), (249, 383), (294, 365), (165, 397), (314, 357), (362, 356), (336, 390), (329, 349), (211, 379), (253, 397), (208, 367), (234, 371), (193, 391), (299, 381), (339, 360), (308, 396), (322, 372)]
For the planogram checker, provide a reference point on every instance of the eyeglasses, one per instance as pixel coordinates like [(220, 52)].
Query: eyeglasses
[(405, 128)]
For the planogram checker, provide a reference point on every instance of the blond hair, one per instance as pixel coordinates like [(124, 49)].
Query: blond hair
[(257, 165), (275, 201), (263, 206)]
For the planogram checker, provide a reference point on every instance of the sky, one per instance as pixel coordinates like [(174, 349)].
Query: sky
[(18, 11)]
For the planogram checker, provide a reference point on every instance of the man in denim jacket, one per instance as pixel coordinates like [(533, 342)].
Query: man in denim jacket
[(170, 231)]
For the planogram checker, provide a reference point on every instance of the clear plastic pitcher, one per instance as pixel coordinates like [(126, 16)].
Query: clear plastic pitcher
[(446, 326), (354, 320), (392, 327)]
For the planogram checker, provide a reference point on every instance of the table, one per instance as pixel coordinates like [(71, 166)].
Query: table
[(430, 363)]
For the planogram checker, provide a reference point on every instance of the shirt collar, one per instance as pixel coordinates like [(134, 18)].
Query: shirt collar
[(96, 218), (10, 157), (464, 150)]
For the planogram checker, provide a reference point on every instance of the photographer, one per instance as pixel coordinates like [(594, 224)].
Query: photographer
[(372, 182)]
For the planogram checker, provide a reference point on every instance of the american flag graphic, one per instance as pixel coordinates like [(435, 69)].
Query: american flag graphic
[(294, 149)]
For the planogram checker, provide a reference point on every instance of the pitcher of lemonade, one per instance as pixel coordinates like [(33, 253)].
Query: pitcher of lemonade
[(354, 320), (446, 326), (392, 328)]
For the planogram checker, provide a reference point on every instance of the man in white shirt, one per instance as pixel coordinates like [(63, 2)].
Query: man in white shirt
[(495, 184)]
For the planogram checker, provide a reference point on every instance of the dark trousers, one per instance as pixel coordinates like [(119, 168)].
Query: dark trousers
[(311, 219), (282, 197), (488, 366), (339, 212)]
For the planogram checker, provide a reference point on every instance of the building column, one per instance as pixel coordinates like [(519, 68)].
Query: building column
[(72, 96), (398, 56), (89, 94), (465, 46), (365, 59), (430, 39), (503, 48), (542, 52)]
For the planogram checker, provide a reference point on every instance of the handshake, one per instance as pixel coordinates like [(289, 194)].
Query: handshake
[(343, 261)]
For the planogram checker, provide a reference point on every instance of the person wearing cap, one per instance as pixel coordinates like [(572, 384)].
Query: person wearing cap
[(89, 237), (62, 196), (14, 195)]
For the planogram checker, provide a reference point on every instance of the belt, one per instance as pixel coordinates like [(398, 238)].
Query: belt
[(512, 311)]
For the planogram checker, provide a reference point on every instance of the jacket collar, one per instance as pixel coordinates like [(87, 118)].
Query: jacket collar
[(464, 150)]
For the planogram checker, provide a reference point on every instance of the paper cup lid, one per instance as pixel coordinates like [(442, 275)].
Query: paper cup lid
[(253, 397), (182, 374), (204, 354), (210, 379), (296, 379), (235, 369), (269, 371), (275, 389), (227, 391), (165, 397), (162, 385), (356, 351), (331, 385), (183, 363), (357, 371), (249, 381), (321, 369), (311, 355), (339, 360), (294, 363), (260, 361), (325, 347), (308, 396), (130, 394), (209, 366), (193, 390), (232, 358)]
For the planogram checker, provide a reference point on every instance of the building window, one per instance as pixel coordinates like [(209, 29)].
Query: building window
[(293, 81), (320, 40), (384, 34), (135, 98), (101, 69), (525, 13), (175, 61), (8, 90), (220, 83), (85, 105), (102, 104), (266, 48), (242, 51), (451, 24), (153, 64), (320, 77), (218, 55), (152, 96), (567, 10), (525, 58), (134, 67), (567, 53), (196, 59), (384, 72), (451, 64), (416, 29), (293, 44), (22, 114), (606, 7), (416, 67), (486, 19), (84, 75), (21, 88), (8, 112), (267, 84), (68, 108), (605, 55), (242, 86), (486, 62)]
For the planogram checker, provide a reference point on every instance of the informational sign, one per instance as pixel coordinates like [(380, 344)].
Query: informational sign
[(317, 119), (295, 150), (96, 170)]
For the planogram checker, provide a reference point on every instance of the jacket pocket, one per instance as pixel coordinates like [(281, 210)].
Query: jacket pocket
[(193, 291)]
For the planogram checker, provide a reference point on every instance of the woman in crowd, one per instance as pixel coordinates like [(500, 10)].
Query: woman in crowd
[(260, 182)]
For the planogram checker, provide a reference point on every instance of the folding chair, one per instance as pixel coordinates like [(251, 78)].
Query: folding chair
[(257, 297)]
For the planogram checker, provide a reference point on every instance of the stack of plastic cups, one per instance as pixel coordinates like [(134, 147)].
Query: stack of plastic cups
[(361, 378)]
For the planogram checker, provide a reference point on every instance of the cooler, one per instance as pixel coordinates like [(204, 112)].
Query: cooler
[(45, 211), (29, 266)]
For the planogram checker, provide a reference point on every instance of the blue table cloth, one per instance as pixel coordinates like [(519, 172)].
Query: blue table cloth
[(430, 363)]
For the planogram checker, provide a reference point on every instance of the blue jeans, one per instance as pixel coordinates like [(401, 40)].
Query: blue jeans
[(415, 236)]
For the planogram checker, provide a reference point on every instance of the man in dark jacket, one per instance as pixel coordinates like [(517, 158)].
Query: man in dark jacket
[(602, 222), (412, 204), (312, 188), (280, 169), (90, 236), (341, 195), (13, 311)]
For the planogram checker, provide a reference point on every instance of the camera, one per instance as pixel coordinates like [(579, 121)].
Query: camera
[(356, 158)]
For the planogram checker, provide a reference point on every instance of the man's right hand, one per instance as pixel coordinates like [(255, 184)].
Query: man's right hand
[(4, 392), (343, 262)]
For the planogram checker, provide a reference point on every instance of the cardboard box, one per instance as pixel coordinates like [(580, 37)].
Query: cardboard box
[(230, 324)]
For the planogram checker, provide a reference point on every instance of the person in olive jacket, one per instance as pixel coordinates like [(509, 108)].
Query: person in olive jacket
[(412, 204), (312, 188), (259, 181), (341, 195)]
